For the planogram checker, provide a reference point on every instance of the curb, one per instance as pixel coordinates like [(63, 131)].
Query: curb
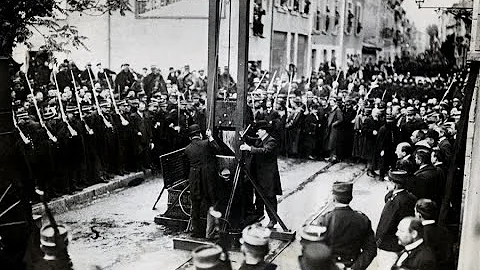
[(66, 202)]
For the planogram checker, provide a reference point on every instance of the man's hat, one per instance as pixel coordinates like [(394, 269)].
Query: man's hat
[(207, 256), (399, 177), (262, 124), (433, 134), (312, 233), (410, 111), (104, 104), (255, 235), (224, 174), (194, 129), (316, 256), (343, 189)]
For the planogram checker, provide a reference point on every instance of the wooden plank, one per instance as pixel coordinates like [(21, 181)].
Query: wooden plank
[(283, 236), (188, 243), (181, 224)]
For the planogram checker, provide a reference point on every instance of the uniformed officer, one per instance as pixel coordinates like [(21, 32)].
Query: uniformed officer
[(349, 233), (209, 257), (255, 246)]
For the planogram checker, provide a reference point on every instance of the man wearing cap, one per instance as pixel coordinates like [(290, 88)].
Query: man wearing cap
[(255, 240), (264, 169), (349, 233), (435, 236), (399, 203), (200, 154), (201, 81), (209, 257), (416, 254)]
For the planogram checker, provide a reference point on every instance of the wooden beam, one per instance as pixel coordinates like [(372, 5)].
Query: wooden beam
[(242, 71), (213, 23)]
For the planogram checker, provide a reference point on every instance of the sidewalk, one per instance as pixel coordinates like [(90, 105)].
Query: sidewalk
[(66, 202)]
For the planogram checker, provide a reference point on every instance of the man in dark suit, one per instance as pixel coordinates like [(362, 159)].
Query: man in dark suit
[(427, 178), (399, 203), (335, 118), (416, 255), (202, 175), (142, 134), (434, 235), (349, 233), (444, 144), (264, 169)]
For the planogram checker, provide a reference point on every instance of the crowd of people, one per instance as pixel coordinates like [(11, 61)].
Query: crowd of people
[(80, 127)]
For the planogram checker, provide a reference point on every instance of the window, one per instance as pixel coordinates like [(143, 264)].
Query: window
[(333, 60), (172, 9), (336, 21), (349, 18), (328, 16), (358, 19), (325, 56), (318, 17)]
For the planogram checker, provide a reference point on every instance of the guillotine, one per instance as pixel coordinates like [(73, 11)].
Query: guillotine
[(227, 117)]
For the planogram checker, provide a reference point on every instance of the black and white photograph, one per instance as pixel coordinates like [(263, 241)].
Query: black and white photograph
[(239, 134)]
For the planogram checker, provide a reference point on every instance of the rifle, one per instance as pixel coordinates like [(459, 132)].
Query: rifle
[(105, 121), (117, 111), (40, 119), (77, 98), (72, 131)]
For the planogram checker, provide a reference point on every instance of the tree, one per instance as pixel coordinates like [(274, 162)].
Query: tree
[(432, 31), (20, 18)]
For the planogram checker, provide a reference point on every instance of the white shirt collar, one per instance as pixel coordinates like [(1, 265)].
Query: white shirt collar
[(414, 245), (337, 204), (428, 222), (442, 139), (423, 166), (397, 191), (406, 157)]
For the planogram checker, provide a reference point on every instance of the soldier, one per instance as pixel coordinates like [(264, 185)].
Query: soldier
[(255, 241), (202, 175), (349, 233), (399, 203)]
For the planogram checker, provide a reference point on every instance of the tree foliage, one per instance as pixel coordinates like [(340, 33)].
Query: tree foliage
[(19, 19)]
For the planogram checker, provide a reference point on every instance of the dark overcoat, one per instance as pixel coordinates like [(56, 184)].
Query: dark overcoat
[(335, 118), (397, 206), (265, 167), (426, 183), (350, 236), (202, 172)]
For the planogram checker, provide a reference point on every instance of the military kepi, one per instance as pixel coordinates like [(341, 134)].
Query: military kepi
[(343, 189), (207, 257)]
